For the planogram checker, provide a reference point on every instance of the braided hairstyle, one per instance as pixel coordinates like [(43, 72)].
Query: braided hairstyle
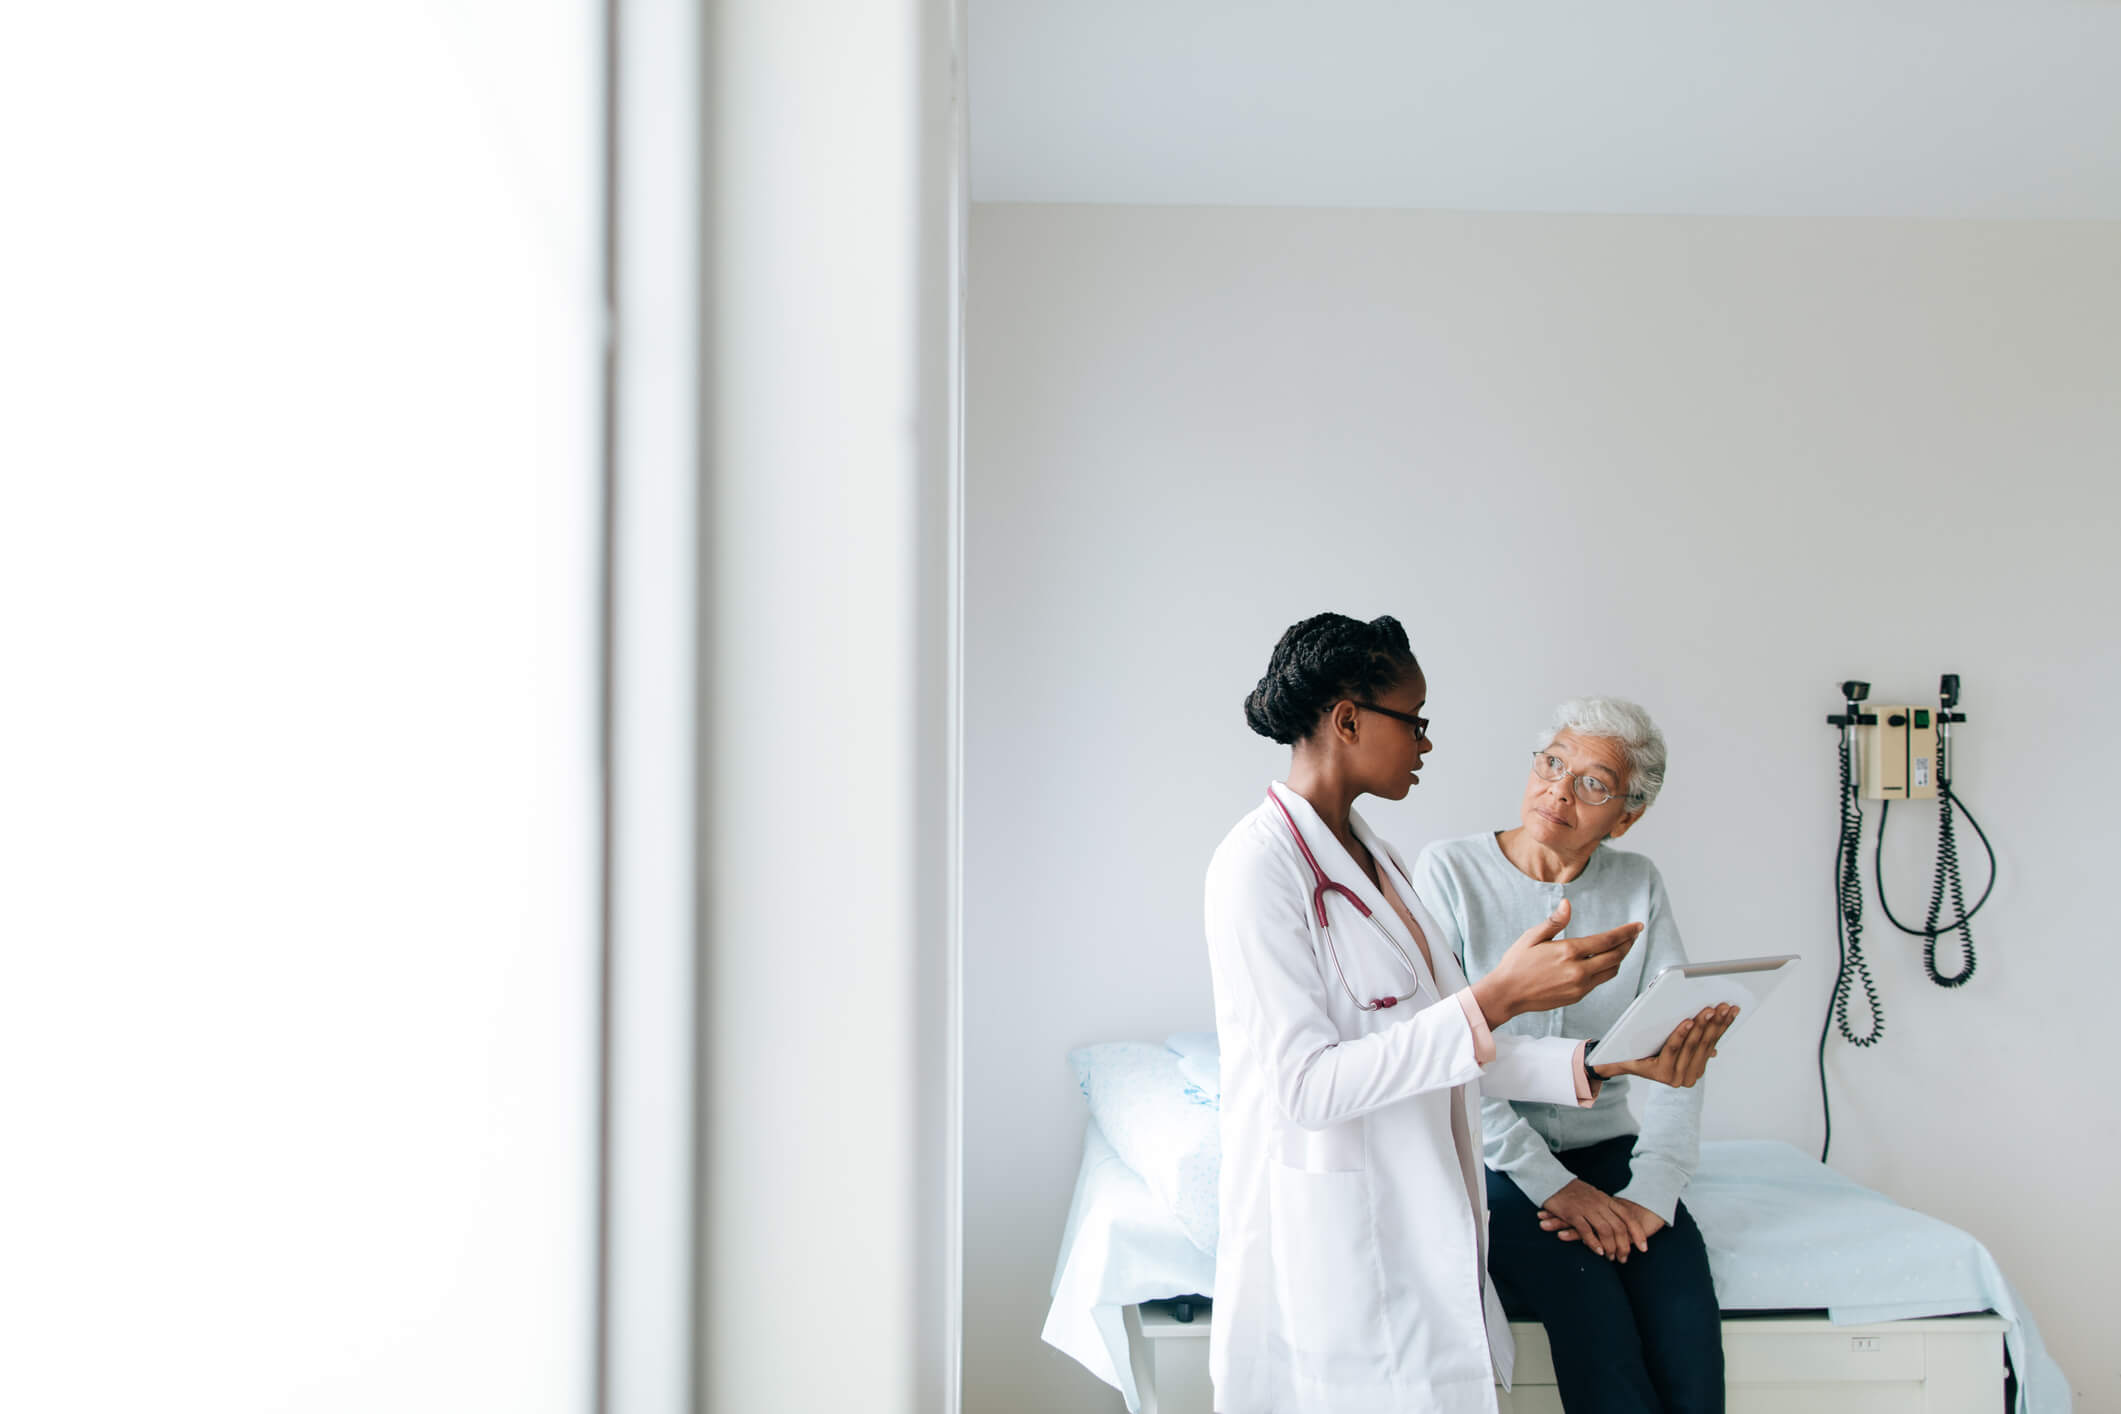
[(1321, 661)]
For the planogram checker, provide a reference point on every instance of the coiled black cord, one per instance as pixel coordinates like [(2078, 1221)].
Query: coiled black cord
[(1848, 938), (1947, 880), (1848, 897)]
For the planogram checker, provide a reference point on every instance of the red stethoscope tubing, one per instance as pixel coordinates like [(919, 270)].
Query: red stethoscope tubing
[(1325, 927)]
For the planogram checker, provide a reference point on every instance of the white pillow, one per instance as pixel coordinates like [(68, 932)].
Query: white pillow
[(1174, 1141), (1194, 1043), (1200, 1061)]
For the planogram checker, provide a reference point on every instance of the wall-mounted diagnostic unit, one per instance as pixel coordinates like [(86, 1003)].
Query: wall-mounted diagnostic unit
[(1899, 753), (1891, 753)]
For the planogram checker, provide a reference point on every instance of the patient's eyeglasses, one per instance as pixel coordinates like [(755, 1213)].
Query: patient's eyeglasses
[(1591, 789), (1419, 724)]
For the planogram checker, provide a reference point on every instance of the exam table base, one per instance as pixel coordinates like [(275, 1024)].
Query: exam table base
[(1772, 1364)]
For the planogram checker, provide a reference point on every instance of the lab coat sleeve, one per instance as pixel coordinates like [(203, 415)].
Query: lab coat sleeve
[(1669, 1148), (1542, 1068), (1260, 946)]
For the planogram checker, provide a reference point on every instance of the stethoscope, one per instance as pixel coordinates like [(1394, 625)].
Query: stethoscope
[(1325, 926)]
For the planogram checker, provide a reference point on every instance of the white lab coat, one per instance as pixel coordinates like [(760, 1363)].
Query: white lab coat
[(1350, 1265)]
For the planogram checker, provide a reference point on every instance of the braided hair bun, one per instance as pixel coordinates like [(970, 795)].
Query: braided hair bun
[(1324, 659)]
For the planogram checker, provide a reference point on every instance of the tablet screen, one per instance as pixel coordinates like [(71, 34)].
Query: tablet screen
[(1681, 992)]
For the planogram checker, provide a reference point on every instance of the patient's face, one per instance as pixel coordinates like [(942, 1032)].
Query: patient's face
[(1555, 816)]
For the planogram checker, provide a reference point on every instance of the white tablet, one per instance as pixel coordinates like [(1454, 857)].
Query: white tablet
[(1683, 991)]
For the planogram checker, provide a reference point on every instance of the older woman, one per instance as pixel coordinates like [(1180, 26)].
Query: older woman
[(1588, 1234)]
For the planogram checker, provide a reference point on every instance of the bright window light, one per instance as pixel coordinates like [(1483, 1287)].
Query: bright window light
[(298, 504)]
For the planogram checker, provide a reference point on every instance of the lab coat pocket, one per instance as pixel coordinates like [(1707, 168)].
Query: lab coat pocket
[(1325, 1271), (1333, 1149)]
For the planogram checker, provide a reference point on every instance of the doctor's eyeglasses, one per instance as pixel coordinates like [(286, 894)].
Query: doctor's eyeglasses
[(1591, 789), (1419, 724)]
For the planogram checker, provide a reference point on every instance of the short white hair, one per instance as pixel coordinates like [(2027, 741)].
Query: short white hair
[(1622, 722)]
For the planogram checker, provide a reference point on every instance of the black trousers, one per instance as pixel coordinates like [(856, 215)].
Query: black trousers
[(1644, 1338)]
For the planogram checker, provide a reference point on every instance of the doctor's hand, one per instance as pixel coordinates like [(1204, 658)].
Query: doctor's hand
[(1686, 1052), (1541, 972), (1640, 1222)]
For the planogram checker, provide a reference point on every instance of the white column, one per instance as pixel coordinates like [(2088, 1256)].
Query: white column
[(836, 212), (647, 1347)]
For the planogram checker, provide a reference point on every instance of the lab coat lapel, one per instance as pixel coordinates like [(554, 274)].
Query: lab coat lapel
[(1465, 1101), (1341, 868), (1404, 887), (1333, 857)]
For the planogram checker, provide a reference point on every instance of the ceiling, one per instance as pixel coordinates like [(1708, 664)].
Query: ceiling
[(1955, 108)]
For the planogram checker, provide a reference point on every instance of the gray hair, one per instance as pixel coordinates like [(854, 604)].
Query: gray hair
[(1623, 722)]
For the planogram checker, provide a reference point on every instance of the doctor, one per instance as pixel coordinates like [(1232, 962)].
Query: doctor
[(1350, 1271)]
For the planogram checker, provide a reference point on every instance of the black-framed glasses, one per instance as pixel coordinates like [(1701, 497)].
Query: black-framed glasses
[(1419, 724)]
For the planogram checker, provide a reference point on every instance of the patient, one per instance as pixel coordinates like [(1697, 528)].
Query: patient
[(1587, 1233)]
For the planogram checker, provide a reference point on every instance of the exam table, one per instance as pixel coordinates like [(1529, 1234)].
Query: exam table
[(1835, 1298)]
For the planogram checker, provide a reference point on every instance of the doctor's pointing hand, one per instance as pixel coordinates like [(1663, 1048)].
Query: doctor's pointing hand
[(1542, 971), (1351, 1262)]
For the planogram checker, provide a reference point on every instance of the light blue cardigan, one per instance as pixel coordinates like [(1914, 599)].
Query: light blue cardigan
[(1484, 904)]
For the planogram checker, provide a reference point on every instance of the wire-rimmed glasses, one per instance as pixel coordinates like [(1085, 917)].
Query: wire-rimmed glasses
[(1589, 786)]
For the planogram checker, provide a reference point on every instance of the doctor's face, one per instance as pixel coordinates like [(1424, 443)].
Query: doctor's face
[(1387, 750)]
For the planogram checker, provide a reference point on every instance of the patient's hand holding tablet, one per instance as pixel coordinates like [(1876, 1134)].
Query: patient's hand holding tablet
[(1684, 1055), (1648, 1027)]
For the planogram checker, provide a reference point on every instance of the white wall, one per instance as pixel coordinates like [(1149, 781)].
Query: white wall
[(1714, 465)]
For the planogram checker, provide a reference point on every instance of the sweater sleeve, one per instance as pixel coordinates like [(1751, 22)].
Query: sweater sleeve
[(1534, 1070), (1509, 1145), (1669, 1148)]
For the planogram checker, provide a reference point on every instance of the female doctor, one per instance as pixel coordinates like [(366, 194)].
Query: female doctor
[(1350, 1267)]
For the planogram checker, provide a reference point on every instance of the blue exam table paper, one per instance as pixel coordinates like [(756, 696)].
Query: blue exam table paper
[(1784, 1232)]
